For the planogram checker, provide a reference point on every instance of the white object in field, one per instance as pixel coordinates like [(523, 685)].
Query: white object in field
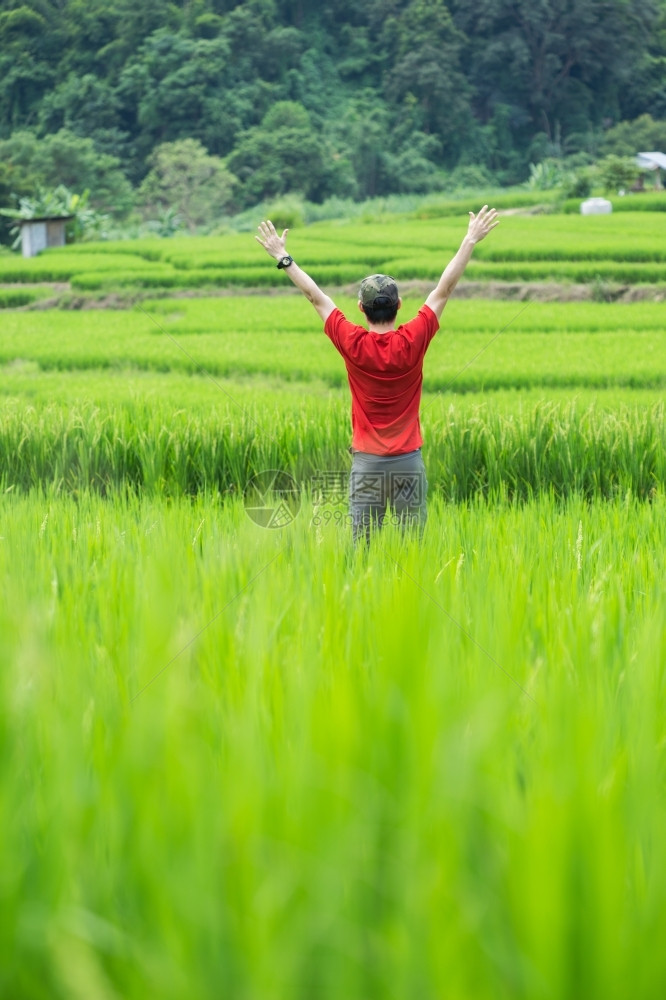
[(595, 206)]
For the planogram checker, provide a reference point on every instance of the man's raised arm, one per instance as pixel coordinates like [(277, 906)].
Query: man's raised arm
[(479, 227), (276, 246)]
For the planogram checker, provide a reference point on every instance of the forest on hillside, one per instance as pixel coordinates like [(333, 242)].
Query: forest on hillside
[(340, 98)]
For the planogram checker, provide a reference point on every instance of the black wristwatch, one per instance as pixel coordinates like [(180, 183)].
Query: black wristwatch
[(285, 261)]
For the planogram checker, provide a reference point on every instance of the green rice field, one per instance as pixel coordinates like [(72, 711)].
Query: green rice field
[(254, 762), (627, 247)]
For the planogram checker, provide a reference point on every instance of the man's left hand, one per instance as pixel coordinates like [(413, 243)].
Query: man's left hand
[(481, 224)]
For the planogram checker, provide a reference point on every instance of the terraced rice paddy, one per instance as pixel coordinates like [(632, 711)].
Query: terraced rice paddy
[(256, 763), (628, 247)]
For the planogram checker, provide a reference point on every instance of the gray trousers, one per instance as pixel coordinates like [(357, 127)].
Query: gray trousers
[(387, 489)]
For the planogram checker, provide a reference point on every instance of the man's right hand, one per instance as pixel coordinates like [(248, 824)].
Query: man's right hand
[(276, 246), (273, 244)]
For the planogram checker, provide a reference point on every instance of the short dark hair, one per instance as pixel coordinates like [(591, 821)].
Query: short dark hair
[(382, 310)]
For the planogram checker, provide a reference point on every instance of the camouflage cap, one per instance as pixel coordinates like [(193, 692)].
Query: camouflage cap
[(376, 285)]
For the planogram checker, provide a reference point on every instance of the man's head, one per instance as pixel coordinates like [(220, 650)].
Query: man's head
[(378, 298)]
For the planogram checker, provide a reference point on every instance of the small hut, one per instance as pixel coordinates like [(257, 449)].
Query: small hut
[(38, 234), (653, 161)]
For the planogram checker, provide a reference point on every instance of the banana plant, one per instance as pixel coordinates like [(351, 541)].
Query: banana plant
[(58, 201)]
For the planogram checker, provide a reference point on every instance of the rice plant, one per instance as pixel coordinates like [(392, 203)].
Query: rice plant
[(259, 764)]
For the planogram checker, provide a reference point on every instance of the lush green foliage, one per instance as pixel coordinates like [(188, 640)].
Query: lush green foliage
[(72, 161), (247, 762), (643, 134), (185, 178), (84, 221), (474, 450), (259, 764), (158, 435), (11, 298), (354, 100)]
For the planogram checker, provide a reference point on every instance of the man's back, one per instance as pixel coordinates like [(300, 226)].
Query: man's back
[(385, 372)]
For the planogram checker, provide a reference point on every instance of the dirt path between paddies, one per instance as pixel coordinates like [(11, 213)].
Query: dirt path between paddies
[(63, 297)]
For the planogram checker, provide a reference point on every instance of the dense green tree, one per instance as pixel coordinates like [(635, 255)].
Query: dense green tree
[(362, 131), (395, 90), (184, 177), (15, 183), (646, 88), (412, 168), (205, 88), (70, 160), (547, 56), (103, 36), (617, 172), (89, 107), (284, 154), (644, 134), (26, 71), (425, 47), (164, 87)]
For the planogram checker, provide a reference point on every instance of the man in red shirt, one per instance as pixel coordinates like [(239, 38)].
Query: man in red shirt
[(385, 372)]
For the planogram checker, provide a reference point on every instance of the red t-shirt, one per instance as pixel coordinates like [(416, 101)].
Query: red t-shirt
[(385, 372)]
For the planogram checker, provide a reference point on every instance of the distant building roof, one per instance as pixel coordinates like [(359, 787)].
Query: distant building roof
[(46, 218), (651, 160)]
